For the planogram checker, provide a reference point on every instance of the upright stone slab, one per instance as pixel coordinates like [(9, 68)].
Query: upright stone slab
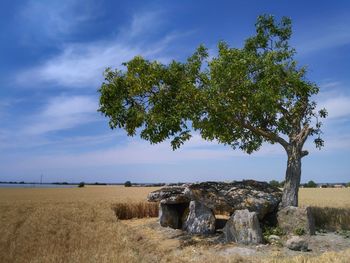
[(292, 219), (200, 219), (243, 227)]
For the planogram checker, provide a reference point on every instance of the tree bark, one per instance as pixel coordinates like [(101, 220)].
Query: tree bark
[(293, 174)]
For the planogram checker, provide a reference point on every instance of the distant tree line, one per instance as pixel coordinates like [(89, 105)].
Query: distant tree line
[(309, 184)]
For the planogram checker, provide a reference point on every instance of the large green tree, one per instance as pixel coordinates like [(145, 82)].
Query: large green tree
[(242, 97)]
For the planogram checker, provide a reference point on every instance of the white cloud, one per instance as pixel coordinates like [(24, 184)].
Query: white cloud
[(324, 36), (81, 65), (334, 100), (61, 113), (55, 19), (143, 24), (337, 107), (330, 84)]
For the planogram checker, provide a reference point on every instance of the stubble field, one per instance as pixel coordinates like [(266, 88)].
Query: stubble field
[(80, 225)]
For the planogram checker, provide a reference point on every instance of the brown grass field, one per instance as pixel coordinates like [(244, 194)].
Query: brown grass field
[(80, 225)]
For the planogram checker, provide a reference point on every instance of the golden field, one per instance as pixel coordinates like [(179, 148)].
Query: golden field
[(79, 225)]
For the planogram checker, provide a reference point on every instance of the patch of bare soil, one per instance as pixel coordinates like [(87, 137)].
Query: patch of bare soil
[(169, 239)]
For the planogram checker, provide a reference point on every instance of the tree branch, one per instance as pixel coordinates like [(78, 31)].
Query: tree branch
[(267, 134), (304, 133), (304, 153)]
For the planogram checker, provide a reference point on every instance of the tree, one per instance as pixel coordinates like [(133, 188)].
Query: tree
[(311, 184), (242, 97), (81, 184), (127, 184)]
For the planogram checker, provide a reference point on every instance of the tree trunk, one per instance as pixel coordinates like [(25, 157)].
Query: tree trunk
[(293, 173)]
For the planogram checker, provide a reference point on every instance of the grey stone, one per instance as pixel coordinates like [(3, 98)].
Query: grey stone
[(297, 243), (291, 219), (243, 227), (200, 219)]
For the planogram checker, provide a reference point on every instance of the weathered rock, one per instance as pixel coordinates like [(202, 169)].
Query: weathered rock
[(170, 215), (243, 227), (292, 219), (169, 195), (200, 219), (259, 197), (297, 243)]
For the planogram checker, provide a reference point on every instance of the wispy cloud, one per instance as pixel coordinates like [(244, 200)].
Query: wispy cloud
[(324, 36), (337, 107), (80, 65), (330, 84), (54, 20), (62, 113), (143, 24), (334, 98)]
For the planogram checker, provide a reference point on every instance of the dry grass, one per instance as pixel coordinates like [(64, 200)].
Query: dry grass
[(327, 257), (78, 225), (325, 197), (89, 194), (135, 210), (330, 206), (331, 218)]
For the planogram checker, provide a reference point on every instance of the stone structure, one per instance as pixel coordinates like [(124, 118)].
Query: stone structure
[(243, 227), (192, 207), (292, 219)]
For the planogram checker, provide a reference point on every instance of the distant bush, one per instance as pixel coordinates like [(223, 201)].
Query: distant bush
[(81, 184), (311, 184), (277, 184), (127, 184), (282, 183), (348, 185), (274, 183)]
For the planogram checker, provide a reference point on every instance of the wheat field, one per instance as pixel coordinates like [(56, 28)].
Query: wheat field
[(80, 225)]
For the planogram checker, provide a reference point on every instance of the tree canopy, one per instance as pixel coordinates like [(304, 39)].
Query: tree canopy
[(241, 97)]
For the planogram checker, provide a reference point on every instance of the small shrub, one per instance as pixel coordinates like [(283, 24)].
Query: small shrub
[(127, 184), (268, 231), (81, 184), (299, 231)]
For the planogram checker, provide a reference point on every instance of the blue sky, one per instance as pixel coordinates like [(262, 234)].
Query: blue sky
[(53, 53)]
